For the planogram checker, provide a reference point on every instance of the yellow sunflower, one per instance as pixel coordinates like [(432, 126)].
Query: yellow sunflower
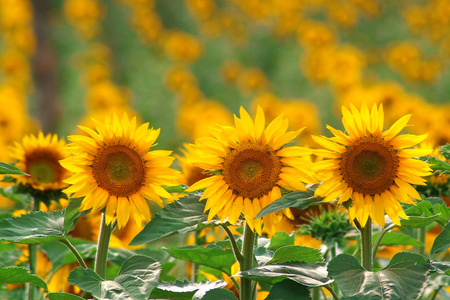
[(250, 166), (114, 169), (370, 166), (39, 156)]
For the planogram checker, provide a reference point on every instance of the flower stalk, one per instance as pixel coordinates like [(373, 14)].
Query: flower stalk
[(102, 247), (247, 291), (32, 256), (366, 245)]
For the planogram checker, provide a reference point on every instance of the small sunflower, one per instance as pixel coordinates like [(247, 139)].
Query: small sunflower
[(373, 168), (39, 156), (114, 169), (250, 167)]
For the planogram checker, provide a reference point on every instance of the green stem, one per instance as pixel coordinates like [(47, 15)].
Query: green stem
[(378, 240), (75, 252), (316, 293), (247, 291), (32, 256), (366, 245), (333, 255), (102, 247), (234, 246), (330, 288), (435, 293), (421, 233)]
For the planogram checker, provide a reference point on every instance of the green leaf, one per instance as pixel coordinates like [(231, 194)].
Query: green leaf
[(439, 165), (72, 214), (12, 193), (298, 199), (9, 254), (136, 279), (216, 294), (309, 274), (34, 227), (417, 221), (288, 289), (62, 296), (439, 266), (212, 256), (396, 238), (7, 169), (445, 151), (20, 275), (281, 239), (179, 217), (442, 241), (176, 189), (405, 277), (184, 290), (296, 253)]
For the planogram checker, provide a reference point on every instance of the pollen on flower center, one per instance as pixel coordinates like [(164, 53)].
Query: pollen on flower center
[(370, 166), (251, 170), (119, 170)]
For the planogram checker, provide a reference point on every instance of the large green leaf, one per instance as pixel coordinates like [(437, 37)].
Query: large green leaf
[(7, 169), (396, 238), (281, 239), (62, 296), (72, 214), (212, 256), (418, 221), (298, 199), (296, 253), (288, 289), (136, 279), (429, 207), (178, 217), (217, 294), (309, 274), (34, 227), (442, 241), (404, 278), (184, 290), (20, 275), (439, 165)]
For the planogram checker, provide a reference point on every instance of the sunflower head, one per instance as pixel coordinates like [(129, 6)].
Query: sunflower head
[(372, 167), (39, 156), (250, 164), (115, 170)]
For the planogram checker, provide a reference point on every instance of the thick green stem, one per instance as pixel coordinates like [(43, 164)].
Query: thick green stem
[(316, 293), (247, 291), (102, 247), (421, 233), (32, 256), (366, 245), (75, 252)]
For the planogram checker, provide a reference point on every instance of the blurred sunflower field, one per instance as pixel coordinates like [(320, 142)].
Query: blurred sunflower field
[(224, 149)]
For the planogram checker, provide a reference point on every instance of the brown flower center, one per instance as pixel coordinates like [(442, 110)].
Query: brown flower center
[(251, 170), (370, 166), (43, 167), (119, 170)]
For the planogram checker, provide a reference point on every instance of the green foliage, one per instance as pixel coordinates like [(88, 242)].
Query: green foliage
[(442, 241), (281, 239), (137, 278), (396, 238), (308, 274), (288, 289), (34, 227), (179, 217), (15, 194), (445, 151), (62, 296), (296, 253), (20, 275), (297, 199), (405, 277), (7, 169), (212, 256), (216, 294), (184, 290), (72, 213), (427, 208)]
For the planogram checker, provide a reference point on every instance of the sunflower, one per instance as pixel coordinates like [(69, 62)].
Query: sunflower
[(114, 169), (250, 167), (371, 167), (39, 156)]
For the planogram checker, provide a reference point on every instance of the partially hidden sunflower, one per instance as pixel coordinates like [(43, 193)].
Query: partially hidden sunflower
[(250, 165), (114, 169), (39, 156), (372, 167)]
